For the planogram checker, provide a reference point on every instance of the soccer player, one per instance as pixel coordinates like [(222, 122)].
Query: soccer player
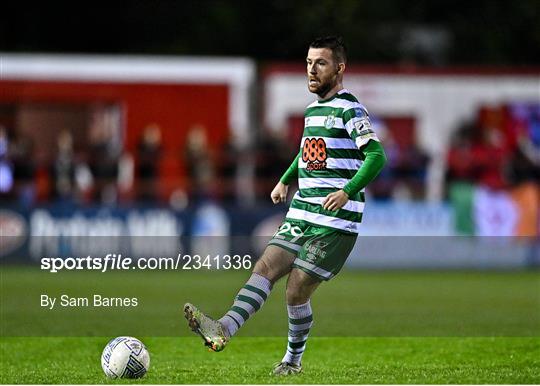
[(339, 155)]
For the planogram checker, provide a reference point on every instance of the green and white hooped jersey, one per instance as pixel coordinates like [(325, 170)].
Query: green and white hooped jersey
[(334, 131)]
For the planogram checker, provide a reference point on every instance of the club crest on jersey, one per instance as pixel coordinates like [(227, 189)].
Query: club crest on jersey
[(314, 154), (330, 120)]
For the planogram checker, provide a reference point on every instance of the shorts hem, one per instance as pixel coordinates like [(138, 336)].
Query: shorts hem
[(288, 249), (311, 273)]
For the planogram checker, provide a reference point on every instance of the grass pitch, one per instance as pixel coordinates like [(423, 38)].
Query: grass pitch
[(370, 327), (249, 360)]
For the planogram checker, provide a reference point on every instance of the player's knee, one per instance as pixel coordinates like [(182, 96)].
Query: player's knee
[(274, 263), (261, 267), (264, 269), (296, 296), (295, 293), (300, 287)]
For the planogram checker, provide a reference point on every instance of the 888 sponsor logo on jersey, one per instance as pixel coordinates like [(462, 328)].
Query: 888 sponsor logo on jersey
[(314, 154)]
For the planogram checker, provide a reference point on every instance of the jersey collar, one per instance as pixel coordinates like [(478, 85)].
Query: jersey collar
[(343, 90)]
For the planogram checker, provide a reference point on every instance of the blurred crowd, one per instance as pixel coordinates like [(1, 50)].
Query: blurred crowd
[(500, 149), (97, 169), (404, 176)]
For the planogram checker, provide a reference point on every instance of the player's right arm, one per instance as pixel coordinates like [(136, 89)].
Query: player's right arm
[(279, 193)]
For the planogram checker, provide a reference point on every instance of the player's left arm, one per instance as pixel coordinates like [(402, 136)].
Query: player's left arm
[(375, 159), (359, 127)]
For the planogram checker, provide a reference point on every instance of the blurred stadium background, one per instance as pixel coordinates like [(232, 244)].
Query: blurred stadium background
[(172, 118)]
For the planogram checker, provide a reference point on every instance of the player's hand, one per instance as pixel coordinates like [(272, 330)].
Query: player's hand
[(279, 193), (335, 200)]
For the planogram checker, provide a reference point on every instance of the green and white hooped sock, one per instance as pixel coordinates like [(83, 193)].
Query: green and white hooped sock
[(300, 322), (248, 301)]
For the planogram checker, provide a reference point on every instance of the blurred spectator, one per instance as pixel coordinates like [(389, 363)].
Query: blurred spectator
[(149, 153), (226, 170), (477, 155), (273, 155), (6, 167), (104, 165), (63, 168), (404, 176), (493, 173), (475, 181), (199, 164), (525, 163), (525, 159), (70, 176), (24, 171), (461, 163), (409, 169), (111, 169), (125, 176)]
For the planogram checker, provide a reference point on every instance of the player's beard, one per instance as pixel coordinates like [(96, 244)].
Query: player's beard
[(323, 88)]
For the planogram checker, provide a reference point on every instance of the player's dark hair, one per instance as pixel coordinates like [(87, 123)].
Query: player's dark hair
[(335, 44)]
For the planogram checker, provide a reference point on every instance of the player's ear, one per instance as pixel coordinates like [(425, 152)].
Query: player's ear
[(340, 69)]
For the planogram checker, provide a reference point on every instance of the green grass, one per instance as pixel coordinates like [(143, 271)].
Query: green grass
[(370, 327), (249, 360), (424, 303)]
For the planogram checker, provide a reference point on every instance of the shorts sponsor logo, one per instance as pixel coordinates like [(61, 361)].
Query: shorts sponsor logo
[(315, 251)]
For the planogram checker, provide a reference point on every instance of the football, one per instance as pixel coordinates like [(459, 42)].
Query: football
[(125, 357)]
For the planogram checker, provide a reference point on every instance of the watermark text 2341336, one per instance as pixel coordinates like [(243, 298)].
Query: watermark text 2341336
[(113, 261)]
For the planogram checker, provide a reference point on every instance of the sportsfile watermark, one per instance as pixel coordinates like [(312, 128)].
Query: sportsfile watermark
[(389, 286), (113, 261)]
